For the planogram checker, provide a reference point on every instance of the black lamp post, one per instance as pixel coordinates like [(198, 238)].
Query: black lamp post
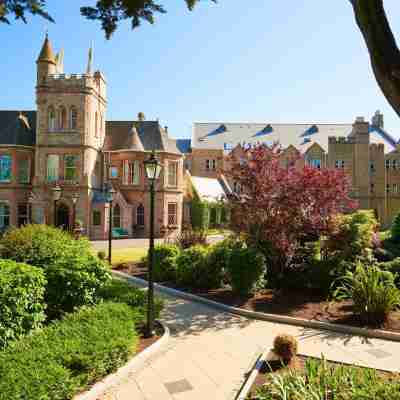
[(75, 198), (153, 169), (110, 197), (56, 196), (31, 199)]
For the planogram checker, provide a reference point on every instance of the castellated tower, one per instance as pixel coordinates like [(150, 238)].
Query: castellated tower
[(71, 112)]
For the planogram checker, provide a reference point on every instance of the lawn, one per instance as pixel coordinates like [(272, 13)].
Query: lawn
[(126, 255)]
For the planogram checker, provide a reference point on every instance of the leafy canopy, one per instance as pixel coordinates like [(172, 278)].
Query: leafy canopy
[(108, 12)]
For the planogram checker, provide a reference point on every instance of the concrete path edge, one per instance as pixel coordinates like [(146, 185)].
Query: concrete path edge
[(134, 364), (283, 319)]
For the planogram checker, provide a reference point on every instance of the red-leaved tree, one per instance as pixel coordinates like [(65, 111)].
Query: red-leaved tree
[(280, 207)]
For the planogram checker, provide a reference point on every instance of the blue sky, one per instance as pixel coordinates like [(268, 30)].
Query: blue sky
[(273, 61)]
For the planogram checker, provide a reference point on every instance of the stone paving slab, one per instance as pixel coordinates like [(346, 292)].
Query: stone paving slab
[(210, 352)]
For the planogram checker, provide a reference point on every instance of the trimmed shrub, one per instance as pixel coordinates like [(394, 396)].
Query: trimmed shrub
[(200, 215), (64, 358), (372, 291), (194, 269), (246, 270), (285, 347), (74, 275), (118, 291), (396, 228), (165, 262), (21, 300)]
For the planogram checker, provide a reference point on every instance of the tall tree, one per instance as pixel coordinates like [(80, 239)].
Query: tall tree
[(370, 17)]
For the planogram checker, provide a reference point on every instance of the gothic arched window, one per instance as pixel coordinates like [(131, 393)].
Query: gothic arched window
[(117, 216), (51, 118), (73, 118), (140, 215), (62, 118)]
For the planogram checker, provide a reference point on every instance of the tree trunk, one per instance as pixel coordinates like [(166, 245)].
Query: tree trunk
[(385, 55)]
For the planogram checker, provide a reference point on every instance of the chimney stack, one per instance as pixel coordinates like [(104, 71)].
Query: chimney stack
[(378, 120)]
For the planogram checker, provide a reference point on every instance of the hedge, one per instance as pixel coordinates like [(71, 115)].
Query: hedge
[(22, 307), (200, 215), (64, 358), (74, 274)]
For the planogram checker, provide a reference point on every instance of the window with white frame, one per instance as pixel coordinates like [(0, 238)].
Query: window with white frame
[(71, 162), (5, 168), (172, 214), (4, 216), (387, 164), (339, 164), (211, 165), (53, 164), (24, 171), (131, 172), (172, 173)]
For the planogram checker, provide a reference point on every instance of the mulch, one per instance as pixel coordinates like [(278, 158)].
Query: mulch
[(306, 304), (144, 342)]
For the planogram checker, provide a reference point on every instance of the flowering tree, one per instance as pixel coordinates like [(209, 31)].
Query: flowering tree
[(283, 205)]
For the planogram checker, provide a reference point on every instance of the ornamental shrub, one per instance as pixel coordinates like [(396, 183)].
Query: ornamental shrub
[(246, 269), (191, 237), (396, 228), (373, 292), (285, 347), (165, 262), (62, 359), (74, 275), (195, 271), (119, 291), (21, 300), (200, 215)]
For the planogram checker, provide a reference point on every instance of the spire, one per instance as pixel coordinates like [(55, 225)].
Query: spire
[(60, 62), (134, 142), (89, 68), (46, 54)]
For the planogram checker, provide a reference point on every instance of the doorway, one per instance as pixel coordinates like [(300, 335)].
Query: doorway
[(63, 217)]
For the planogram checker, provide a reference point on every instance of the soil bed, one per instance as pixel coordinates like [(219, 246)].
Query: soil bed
[(306, 304), (297, 364)]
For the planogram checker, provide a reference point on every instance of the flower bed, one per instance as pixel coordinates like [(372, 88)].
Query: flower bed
[(306, 378)]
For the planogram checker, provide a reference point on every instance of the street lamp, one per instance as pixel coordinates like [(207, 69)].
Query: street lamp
[(31, 199), (110, 193), (75, 198), (56, 196), (153, 169)]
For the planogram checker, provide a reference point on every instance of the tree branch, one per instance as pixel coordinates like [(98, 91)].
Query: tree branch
[(384, 53)]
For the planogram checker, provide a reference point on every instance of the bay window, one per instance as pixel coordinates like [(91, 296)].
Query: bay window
[(172, 174), (131, 172)]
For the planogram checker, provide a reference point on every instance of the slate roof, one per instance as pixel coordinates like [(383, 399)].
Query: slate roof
[(226, 136), (150, 133), (18, 128)]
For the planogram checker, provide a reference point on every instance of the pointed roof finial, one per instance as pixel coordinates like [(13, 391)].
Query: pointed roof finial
[(46, 54), (89, 68), (134, 142)]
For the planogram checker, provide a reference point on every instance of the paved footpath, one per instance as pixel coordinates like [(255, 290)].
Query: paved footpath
[(210, 351)]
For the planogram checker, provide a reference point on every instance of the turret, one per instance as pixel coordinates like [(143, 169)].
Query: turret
[(46, 62)]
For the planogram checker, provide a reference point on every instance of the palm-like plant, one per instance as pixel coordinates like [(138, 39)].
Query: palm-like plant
[(372, 291)]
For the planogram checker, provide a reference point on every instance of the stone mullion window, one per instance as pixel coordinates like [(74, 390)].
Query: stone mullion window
[(71, 162), (172, 213), (173, 174), (53, 168)]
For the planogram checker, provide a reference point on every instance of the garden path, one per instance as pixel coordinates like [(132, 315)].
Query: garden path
[(210, 352)]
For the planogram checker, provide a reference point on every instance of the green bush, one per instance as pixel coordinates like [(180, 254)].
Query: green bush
[(101, 254), (165, 262), (246, 270), (74, 275), (119, 291), (194, 269), (393, 267), (373, 292), (21, 300), (220, 253), (395, 229), (353, 235), (64, 358), (200, 215)]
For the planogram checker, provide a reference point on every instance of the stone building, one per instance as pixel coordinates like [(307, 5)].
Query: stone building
[(368, 154), (67, 142)]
